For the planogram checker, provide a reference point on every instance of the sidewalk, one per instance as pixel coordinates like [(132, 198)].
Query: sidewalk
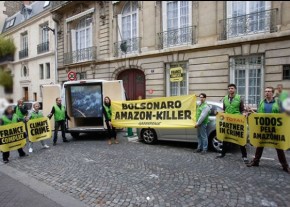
[(18, 189)]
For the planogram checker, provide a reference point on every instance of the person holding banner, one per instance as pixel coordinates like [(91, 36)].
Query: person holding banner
[(60, 116), (202, 117), (34, 114), (107, 111), (269, 105), (233, 104), (10, 117)]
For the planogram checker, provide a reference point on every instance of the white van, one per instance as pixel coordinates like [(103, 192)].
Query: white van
[(84, 102)]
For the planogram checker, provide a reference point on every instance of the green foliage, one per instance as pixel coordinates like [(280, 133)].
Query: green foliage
[(7, 46), (6, 79)]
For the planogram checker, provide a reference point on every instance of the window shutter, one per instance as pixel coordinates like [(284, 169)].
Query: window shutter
[(164, 15), (91, 35), (73, 39)]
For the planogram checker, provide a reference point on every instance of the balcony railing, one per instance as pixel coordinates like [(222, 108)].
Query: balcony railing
[(259, 22), (6, 58), (175, 37), (23, 53), (43, 47), (82, 55), (128, 46)]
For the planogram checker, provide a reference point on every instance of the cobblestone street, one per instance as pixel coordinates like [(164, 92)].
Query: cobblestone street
[(132, 173)]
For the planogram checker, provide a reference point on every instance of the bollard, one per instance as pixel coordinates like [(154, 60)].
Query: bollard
[(130, 132)]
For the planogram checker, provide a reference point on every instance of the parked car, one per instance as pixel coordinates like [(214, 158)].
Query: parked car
[(151, 135), (29, 105)]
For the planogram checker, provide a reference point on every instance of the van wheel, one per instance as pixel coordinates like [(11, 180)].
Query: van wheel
[(149, 136), (75, 135), (214, 143)]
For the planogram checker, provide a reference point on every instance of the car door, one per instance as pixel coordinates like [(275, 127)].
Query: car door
[(171, 134)]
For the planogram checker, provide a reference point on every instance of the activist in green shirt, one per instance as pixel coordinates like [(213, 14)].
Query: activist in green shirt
[(233, 104), (60, 116), (21, 110), (281, 96), (10, 117), (269, 105), (34, 114), (107, 112), (202, 119)]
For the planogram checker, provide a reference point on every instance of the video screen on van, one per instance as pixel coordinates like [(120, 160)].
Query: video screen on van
[(86, 100)]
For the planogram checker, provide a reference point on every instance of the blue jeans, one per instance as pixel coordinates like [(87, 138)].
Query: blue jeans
[(202, 137)]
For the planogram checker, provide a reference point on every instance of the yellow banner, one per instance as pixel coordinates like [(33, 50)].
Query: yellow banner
[(231, 128), (167, 112), (12, 137), (176, 74), (270, 130), (38, 129)]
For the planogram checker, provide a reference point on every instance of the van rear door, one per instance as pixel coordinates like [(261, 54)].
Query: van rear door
[(49, 95), (114, 90)]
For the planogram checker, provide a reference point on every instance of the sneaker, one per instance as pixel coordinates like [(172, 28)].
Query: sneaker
[(6, 161), (65, 140), (203, 152), (246, 161), (54, 143), (220, 156), (30, 150), (252, 163), (197, 151), (45, 146)]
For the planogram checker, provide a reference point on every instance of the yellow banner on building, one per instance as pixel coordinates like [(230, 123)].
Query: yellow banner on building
[(270, 130), (166, 112), (39, 129), (12, 137), (176, 74), (231, 128)]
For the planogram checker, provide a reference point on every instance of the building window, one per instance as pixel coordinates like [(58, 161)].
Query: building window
[(246, 73), (10, 23), (176, 88), (81, 76), (23, 45), (41, 71), (248, 17), (177, 23), (47, 70), (24, 71), (286, 72), (82, 38)]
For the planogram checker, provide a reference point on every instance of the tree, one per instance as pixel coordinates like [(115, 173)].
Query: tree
[(6, 80), (7, 47)]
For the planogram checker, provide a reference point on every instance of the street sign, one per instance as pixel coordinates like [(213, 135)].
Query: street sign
[(72, 75)]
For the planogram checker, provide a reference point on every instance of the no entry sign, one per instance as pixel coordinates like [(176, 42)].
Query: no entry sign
[(72, 75)]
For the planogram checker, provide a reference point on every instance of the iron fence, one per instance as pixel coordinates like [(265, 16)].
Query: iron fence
[(82, 55)]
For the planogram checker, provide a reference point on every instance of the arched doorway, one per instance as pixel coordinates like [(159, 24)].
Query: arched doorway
[(134, 83)]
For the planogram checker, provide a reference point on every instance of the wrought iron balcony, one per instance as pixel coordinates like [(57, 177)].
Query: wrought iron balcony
[(23, 53), (259, 22), (175, 37), (127, 46), (43, 47), (82, 55), (6, 58)]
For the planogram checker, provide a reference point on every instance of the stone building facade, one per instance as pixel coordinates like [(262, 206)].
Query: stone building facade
[(214, 42)]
